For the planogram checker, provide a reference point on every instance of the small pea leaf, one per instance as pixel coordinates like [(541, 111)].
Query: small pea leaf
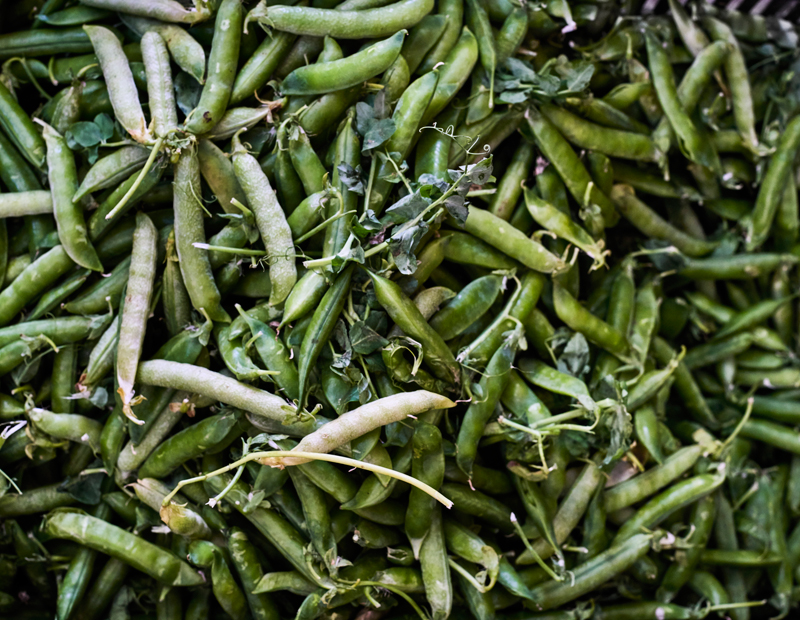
[(364, 339), (407, 208), (84, 488), (574, 359), (254, 502), (617, 424), (352, 252), (187, 92), (457, 209), (368, 225), (352, 178), (378, 133), (428, 182), (83, 134), (480, 173), (404, 243), (105, 124), (394, 174), (577, 76)]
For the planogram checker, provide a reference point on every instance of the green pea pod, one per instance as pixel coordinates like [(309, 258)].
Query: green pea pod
[(261, 65), (467, 249), (597, 571), (317, 516), (102, 589), (347, 153), (69, 217), (326, 77), (307, 214), (271, 222), (468, 306), (118, 543), (435, 568), (305, 161), (680, 572), (492, 384), (407, 116), (453, 10), (250, 572), (611, 142), (122, 89), (345, 24), (217, 170), (20, 129), (433, 149), (458, 66), (665, 503), (427, 465), (35, 500), (509, 189), (26, 547), (405, 314), (221, 69), (569, 167), (422, 37), (195, 267), (188, 444), (274, 355), (71, 426)]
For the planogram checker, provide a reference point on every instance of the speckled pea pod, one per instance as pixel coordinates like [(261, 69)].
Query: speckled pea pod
[(122, 89), (271, 222), (161, 97), (250, 571)]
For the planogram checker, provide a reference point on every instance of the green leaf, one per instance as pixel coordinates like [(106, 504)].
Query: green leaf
[(403, 244), (457, 209), (352, 178), (105, 124), (378, 133), (187, 92), (83, 134), (364, 339), (83, 488), (254, 502), (407, 208), (368, 225)]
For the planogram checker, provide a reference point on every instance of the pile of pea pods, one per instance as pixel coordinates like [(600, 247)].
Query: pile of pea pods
[(385, 310)]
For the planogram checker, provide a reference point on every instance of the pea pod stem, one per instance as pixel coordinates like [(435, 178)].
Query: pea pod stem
[(277, 456)]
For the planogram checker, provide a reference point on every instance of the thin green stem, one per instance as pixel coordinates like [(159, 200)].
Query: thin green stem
[(530, 548), (276, 457), (147, 165), (322, 226), (222, 248)]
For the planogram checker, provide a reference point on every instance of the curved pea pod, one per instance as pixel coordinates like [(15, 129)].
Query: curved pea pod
[(188, 444), (611, 142), (187, 53), (250, 571), (509, 188), (316, 515), (644, 485), (653, 225), (427, 465), (103, 293), (343, 24), (564, 227), (194, 263), (772, 433), (457, 68), (19, 204), (122, 545), (102, 589), (356, 423), (492, 384), (305, 160), (111, 170), (63, 179), (664, 504), (35, 500), (136, 310), (422, 37), (161, 96), (20, 129), (581, 320), (546, 377), (501, 235), (321, 327), (198, 380), (407, 116), (271, 221), (179, 517), (467, 249), (307, 214), (274, 355), (405, 314), (221, 69), (235, 119), (469, 305), (680, 571), (261, 65), (235, 356), (71, 426), (588, 576), (122, 89), (453, 11), (318, 79), (569, 166)]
